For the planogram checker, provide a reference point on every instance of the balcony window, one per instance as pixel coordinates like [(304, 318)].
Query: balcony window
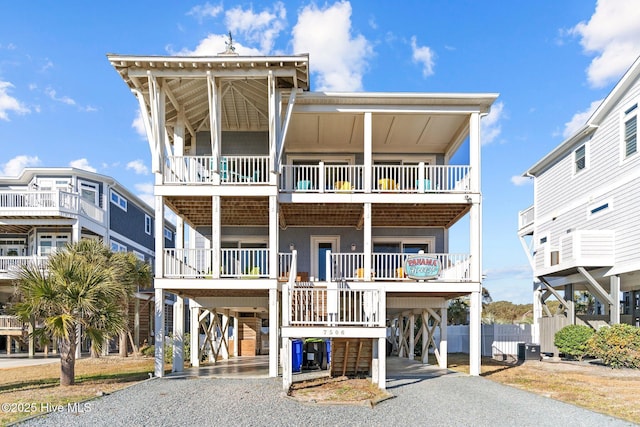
[(89, 192)]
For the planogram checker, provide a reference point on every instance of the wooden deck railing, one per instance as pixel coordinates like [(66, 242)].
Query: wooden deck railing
[(12, 264), (10, 323)]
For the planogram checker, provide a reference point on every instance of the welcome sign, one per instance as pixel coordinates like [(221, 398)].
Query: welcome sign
[(421, 267)]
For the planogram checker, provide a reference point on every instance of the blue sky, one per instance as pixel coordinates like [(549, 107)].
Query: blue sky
[(61, 102)]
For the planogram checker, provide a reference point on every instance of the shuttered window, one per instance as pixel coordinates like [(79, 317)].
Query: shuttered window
[(631, 136)]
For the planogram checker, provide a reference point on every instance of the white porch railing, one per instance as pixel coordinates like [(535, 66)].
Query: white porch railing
[(10, 323), (389, 266), (197, 263), (12, 264), (419, 178), (231, 169), (310, 306), (31, 202), (526, 217)]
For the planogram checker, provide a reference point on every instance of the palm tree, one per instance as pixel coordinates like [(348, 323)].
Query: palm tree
[(76, 289)]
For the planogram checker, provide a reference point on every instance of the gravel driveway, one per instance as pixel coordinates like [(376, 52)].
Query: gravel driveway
[(448, 400)]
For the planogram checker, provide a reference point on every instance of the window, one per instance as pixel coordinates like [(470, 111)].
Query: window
[(631, 131), (89, 192), (168, 234), (580, 159), (117, 247), (139, 255), (119, 200), (543, 240), (147, 224)]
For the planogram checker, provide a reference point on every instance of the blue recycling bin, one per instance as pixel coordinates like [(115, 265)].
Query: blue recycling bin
[(328, 352), (296, 355)]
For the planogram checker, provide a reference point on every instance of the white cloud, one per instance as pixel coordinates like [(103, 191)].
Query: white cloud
[(138, 166), (51, 93), (613, 34), (510, 272), (214, 44), (145, 192), (579, 119), (339, 58), (14, 166), (519, 180), (490, 126), (423, 55), (9, 103), (262, 28), (207, 10), (82, 164), (138, 124)]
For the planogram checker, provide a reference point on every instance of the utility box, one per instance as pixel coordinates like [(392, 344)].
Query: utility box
[(527, 351)]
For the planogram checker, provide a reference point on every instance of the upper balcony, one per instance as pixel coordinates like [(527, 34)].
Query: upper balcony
[(33, 203), (320, 178), (580, 248), (526, 221), (254, 263)]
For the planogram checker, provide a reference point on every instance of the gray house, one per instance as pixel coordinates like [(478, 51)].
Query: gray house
[(43, 209), (582, 233)]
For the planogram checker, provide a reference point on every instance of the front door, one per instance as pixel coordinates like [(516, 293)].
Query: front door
[(320, 246)]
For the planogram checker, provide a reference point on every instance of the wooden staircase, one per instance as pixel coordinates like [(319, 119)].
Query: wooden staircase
[(351, 356)]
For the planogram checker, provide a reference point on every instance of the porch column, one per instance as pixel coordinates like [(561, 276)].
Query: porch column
[(273, 237), (75, 232), (178, 335), (213, 91), (474, 153), (8, 345), (195, 333), (215, 237), (368, 246), (614, 308), (537, 311), (474, 333), (368, 153), (136, 322), (382, 342), (286, 364), (159, 332), (571, 306), (274, 329), (236, 325), (443, 338)]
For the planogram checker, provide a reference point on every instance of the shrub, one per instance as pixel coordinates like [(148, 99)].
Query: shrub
[(149, 350), (617, 346), (573, 340)]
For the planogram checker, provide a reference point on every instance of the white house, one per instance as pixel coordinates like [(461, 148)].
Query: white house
[(582, 234), (321, 215)]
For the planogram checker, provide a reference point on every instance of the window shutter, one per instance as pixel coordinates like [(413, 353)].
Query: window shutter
[(630, 136)]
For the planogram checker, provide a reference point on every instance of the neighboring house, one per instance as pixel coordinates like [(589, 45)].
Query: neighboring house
[(43, 209), (582, 233), (309, 214)]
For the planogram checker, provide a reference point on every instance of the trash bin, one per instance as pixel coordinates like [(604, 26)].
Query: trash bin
[(296, 356), (315, 352), (328, 355)]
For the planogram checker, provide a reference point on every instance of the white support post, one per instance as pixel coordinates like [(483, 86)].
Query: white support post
[(375, 362), (475, 313), (159, 237), (159, 333), (195, 333), (368, 245), (178, 335), (273, 333), (368, 152), (287, 378), (443, 338), (273, 237), (78, 341), (214, 121), (136, 323), (211, 334), (537, 312), (236, 342), (474, 152), (274, 125), (412, 325), (215, 237), (32, 344), (382, 363), (224, 345), (614, 307), (75, 232)]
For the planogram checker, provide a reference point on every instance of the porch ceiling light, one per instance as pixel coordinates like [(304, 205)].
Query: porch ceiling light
[(353, 247), (292, 246)]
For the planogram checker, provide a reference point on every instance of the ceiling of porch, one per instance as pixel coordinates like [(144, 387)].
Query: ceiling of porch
[(254, 211)]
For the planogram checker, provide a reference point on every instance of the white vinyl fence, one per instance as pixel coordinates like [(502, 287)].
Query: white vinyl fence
[(499, 341)]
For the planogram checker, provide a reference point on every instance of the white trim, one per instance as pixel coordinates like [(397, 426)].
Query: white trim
[(624, 118), (314, 240), (320, 157)]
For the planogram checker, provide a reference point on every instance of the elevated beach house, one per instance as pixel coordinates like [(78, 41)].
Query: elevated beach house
[(582, 233), (309, 214), (43, 209)]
